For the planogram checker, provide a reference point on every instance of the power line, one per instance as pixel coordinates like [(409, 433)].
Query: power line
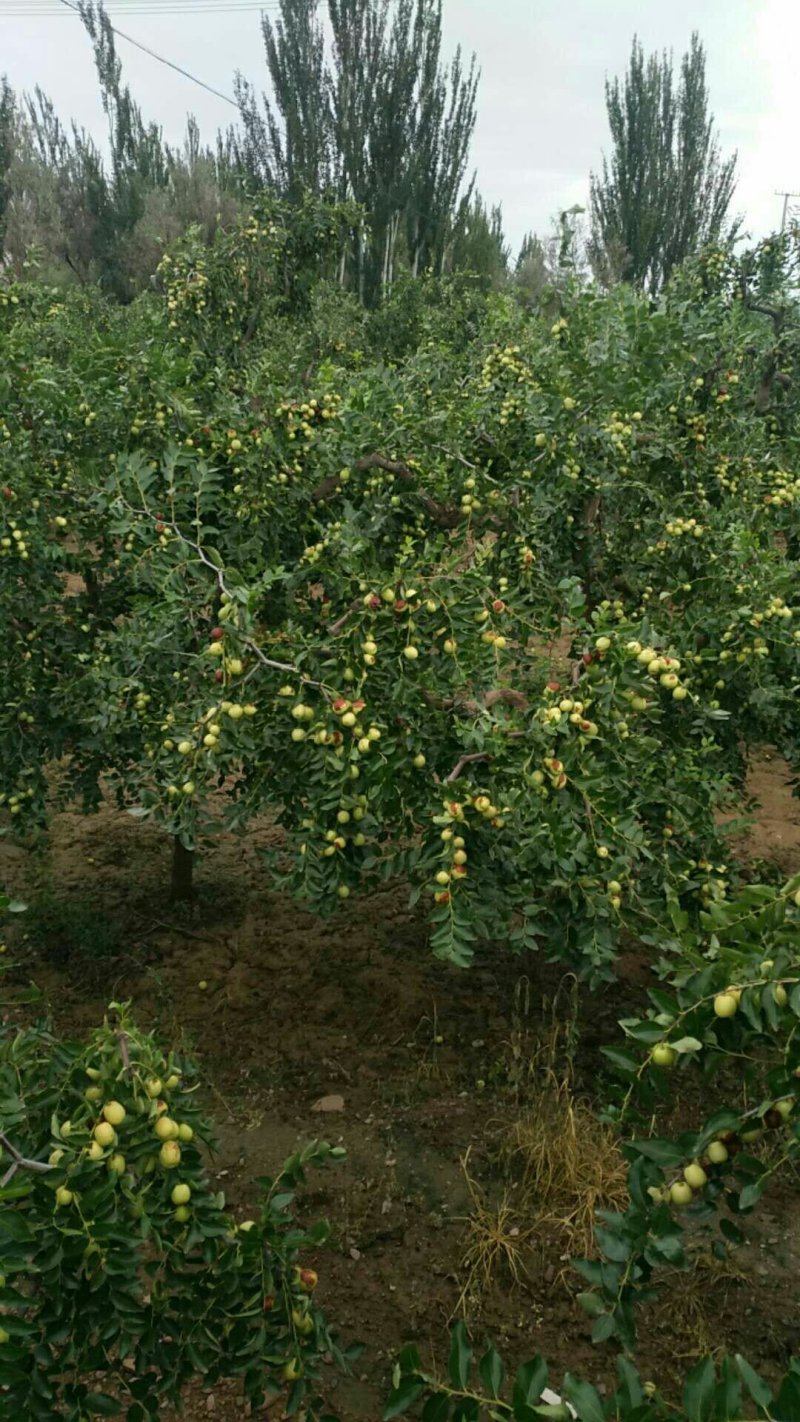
[(128, 6), (146, 7), (170, 65)]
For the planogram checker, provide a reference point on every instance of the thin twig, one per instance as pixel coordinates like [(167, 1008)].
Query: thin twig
[(279, 666), (183, 932), (445, 515), (19, 1162), (339, 624), (220, 580), (466, 760)]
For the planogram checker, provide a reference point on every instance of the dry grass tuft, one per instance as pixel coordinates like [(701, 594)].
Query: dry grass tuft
[(563, 1162), (689, 1306), (495, 1242), (567, 1166), (559, 1163)]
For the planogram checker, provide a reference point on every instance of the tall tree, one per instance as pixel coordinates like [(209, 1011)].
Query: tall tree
[(479, 244), (444, 125), (287, 148), (139, 157), (665, 190), (8, 118), (379, 120)]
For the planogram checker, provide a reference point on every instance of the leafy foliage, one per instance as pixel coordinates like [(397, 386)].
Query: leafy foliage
[(725, 1391), (731, 996), (339, 604), (123, 1274), (462, 594)]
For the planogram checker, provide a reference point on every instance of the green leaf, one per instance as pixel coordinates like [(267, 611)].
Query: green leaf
[(630, 1384), (668, 1247), (728, 1403), (460, 1357), (757, 1388), (788, 1404), (723, 1120), (662, 1152), (408, 1360), (625, 1060), (15, 1227), (436, 1408), (403, 1397), (591, 1304), (731, 1231), (492, 1371), (604, 1328), (752, 1193), (467, 1410), (101, 1404), (584, 1398), (687, 1044), (614, 1246), (529, 1383), (698, 1391), (589, 1269)]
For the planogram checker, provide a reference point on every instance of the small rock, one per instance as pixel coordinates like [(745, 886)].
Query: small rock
[(211, 1402), (329, 1103)]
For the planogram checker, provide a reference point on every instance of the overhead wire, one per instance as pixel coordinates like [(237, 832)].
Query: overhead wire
[(34, 6), (161, 59), (28, 9)]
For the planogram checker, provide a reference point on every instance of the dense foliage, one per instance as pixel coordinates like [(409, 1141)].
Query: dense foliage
[(246, 565), (123, 1274), (491, 600), (379, 125), (725, 1391), (363, 113)]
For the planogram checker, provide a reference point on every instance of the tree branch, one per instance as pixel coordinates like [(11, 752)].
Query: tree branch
[(19, 1162), (467, 760), (220, 580), (445, 515), (340, 621)]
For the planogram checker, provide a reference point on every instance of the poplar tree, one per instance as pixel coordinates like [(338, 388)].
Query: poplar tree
[(665, 190), (8, 117), (379, 120)]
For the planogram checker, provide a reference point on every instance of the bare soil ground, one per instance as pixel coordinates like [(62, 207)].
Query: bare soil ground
[(430, 1062)]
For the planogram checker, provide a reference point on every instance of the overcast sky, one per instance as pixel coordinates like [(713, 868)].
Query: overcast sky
[(541, 117)]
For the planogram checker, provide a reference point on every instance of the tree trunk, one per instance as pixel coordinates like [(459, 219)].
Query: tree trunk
[(92, 589), (182, 866)]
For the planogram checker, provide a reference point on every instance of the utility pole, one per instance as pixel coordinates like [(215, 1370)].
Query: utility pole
[(786, 197)]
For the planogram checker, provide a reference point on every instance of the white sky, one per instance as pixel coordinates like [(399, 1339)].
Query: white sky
[(541, 116)]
